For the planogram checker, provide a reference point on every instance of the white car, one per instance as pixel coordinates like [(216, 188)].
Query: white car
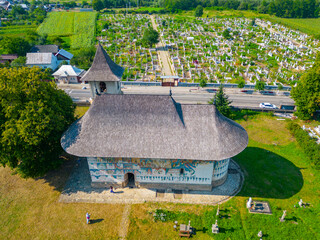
[(267, 105)]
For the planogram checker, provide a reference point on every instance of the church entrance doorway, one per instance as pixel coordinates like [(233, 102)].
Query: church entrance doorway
[(129, 180)]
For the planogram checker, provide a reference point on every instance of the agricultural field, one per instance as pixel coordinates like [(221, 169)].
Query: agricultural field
[(275, 168), (121, 37), (230, 50), (15, 31), (309, 26), (78, 28)]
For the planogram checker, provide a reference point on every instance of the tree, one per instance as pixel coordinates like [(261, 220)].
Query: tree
[(260, 85), (83, 58), (19, 62), (203, 83), (15, 45), (57, 40), (222, 102), (226, 34), (150, 37), (307, 92), (97, 5), (33, 116), (199, 11), (241, 84)]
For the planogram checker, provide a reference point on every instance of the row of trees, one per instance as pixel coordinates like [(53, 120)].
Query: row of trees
[(280, 8), (102, 4), (19, 15)]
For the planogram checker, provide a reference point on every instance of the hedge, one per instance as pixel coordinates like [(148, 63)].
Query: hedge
[(308, 144)]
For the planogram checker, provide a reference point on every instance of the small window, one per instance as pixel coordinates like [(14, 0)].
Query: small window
[(103, 87), (181, 171)]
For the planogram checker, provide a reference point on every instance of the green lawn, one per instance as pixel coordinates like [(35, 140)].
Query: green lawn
[(275, 170)]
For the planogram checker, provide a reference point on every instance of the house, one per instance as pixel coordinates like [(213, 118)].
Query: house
[(7, 58), (68, 74), (5, 4), (61, 55), (104, 75), (54, 49), (42, 60), (150, 141), (47, 56)]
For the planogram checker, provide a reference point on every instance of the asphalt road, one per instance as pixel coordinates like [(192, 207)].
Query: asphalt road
[(184, 95)]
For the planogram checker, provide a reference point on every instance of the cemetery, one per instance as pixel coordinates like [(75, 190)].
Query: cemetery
[(230, 50), (121, 37), (217, 50)]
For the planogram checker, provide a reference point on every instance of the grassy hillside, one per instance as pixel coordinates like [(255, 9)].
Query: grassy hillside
[(78, 28)]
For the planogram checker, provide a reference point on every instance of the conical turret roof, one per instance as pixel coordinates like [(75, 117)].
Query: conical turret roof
[(103, 69)]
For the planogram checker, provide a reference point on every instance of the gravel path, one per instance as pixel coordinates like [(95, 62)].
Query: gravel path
[(124, 225), (162, 53)]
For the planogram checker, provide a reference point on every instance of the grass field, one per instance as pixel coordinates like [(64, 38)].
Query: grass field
[(275, 170), (79, 27), (310, 26)]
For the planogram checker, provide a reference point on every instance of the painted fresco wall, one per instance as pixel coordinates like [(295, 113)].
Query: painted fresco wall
[(151, 170), (220, 169)]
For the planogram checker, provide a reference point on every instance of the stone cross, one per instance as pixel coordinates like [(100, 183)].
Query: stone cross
[(283, 216), (218, 211), (215, 228)]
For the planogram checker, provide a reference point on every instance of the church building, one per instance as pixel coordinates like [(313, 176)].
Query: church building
[(150, 141)]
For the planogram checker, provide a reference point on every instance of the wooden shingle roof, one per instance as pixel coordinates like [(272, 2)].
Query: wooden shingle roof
[(153, 126), (103, 68)]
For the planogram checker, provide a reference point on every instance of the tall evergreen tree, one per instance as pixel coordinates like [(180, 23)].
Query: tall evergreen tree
[(222, 102)]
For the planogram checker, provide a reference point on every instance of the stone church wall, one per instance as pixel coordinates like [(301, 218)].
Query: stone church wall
[(157, 173)]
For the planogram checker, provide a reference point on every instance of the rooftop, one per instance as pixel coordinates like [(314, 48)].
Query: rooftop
[(45, 49), (39, 58), (153, 126), (68, 70), (103, 68)]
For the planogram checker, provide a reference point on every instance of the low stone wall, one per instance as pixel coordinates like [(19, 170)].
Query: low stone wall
[(105, 185), (219, 182), (194, 187)]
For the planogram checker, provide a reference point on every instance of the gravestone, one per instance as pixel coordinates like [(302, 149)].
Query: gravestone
[(282, 219), (215, 228), (249, 202), (261, 207)]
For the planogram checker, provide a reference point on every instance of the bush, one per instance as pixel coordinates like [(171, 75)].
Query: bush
[(308, 144)]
